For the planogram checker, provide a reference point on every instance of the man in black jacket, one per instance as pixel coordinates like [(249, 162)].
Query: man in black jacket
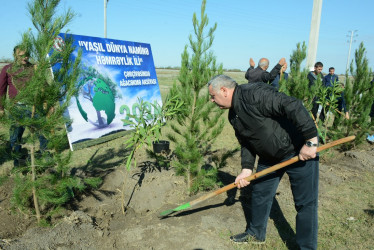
[(276, 127), (260, 74)]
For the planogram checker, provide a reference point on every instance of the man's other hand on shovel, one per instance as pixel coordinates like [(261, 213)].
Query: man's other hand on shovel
[(309, 150), (240, 181)]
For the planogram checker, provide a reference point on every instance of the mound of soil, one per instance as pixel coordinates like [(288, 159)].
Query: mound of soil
[(97, 221)]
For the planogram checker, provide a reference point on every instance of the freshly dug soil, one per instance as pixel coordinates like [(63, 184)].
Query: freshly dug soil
[(97, 222)]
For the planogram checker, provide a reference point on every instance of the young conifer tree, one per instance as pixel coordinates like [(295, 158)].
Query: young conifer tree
[(200, 122), (45, 180), (297, 84), (358, 95)]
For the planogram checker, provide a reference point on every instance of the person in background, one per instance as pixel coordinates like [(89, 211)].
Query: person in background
[(370, 138), (260, 74), (341, 103), (13, 78), (331, 78), (312, 77), (282, 74)]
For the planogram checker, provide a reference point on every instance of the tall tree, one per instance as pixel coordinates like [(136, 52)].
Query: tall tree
[(298, 85), (358, 94), (45, 179), (200, 122)]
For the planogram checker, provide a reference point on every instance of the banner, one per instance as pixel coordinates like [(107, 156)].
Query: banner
[(114, 75)]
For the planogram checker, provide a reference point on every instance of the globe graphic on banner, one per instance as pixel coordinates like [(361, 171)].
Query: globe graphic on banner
[(98, 97)]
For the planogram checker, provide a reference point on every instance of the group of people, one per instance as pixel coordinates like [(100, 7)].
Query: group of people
[(328, 81), (276, 127), (260, 74)]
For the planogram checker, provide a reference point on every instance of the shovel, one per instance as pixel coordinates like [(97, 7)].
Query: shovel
[(252, 177)]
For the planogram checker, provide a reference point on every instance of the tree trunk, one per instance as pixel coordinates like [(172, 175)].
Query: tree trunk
[(33, 171), (99, 118), (189, 180), (33, 178)]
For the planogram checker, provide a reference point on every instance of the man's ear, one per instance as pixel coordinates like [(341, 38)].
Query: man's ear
[(224, 91)]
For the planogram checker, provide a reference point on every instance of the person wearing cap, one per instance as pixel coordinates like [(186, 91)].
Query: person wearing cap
[(276, 127), (260, 74)]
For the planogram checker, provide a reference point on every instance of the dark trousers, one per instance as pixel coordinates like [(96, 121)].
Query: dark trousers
[(16, 132), (314, 110), (304, 185)]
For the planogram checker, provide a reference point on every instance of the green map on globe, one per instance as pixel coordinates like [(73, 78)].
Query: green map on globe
[(102, 100)]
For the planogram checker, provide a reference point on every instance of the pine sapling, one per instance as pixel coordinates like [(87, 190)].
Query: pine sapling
[(39, 106), (196, 128)]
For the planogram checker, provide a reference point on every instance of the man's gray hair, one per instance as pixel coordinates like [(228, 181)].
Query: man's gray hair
[(220, 81), (263, 62)]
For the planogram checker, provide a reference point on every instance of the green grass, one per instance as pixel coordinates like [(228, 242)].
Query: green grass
[(3, 179), (346, 217), (347, 214)]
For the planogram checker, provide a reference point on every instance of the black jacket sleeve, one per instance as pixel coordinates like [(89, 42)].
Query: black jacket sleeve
[(247, 158), (247, 73), (269, 77)]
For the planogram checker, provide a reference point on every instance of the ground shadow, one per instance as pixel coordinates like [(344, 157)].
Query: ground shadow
[(369, 212), (148, 167), (196, 210), (226, 179), (5, 154), (138, 184), (100, 165), (284, 228)]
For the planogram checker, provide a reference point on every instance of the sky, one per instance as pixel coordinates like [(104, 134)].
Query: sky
[(245, 28)]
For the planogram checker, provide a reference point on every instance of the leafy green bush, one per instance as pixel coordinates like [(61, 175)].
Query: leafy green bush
[(147, 127)]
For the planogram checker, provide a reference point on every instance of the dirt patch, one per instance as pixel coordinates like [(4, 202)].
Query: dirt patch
[(98, 222)]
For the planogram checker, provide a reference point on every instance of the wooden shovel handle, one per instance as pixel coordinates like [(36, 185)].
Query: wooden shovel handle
[(269, 170)]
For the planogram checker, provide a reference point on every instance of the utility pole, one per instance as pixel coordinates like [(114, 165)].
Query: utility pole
[(105, 4), (313, 35), (350, 45)]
